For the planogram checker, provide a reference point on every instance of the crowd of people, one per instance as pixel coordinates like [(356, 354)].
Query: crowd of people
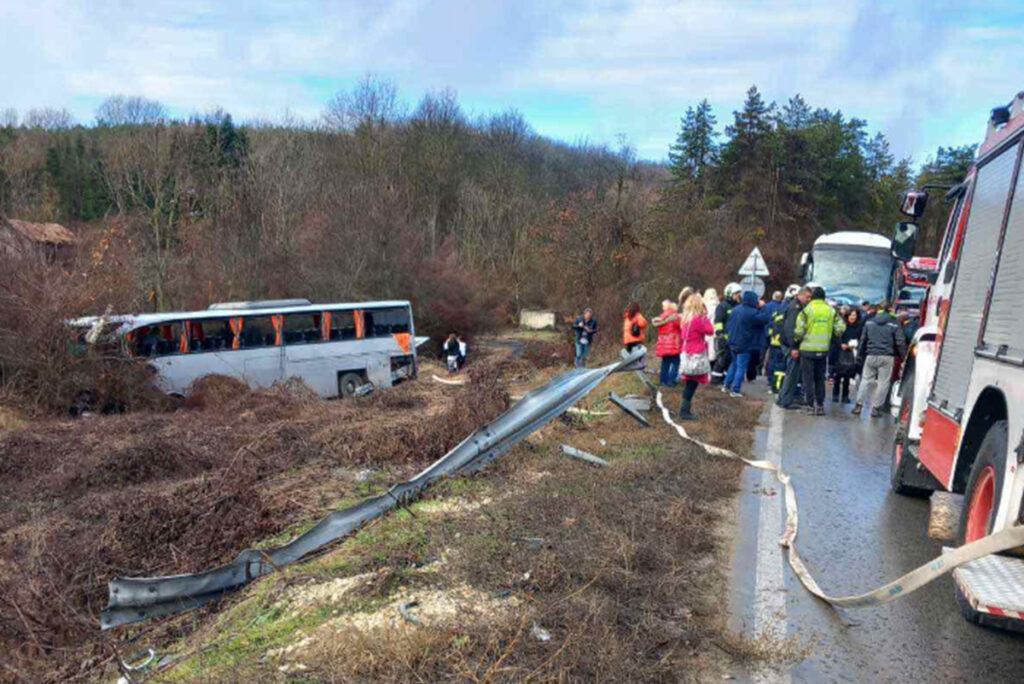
[(797, 339)]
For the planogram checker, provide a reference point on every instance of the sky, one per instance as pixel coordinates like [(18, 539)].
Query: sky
[(924, 73)]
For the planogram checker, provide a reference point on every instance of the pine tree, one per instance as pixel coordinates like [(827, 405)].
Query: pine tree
[(750, 125), (877, 156), (751, 159), (695, 150), (796, 114)]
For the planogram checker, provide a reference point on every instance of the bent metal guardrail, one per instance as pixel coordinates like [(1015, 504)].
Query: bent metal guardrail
[(134, 599)]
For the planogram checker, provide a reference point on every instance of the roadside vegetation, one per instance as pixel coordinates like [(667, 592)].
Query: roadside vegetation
[(541, 568), (620, 567), (473, 217)]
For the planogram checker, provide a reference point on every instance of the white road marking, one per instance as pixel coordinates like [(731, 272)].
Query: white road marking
[(770, 587)]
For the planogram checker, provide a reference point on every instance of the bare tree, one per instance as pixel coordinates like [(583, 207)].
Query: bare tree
[(373, 103), (436, 134), (8, 117), (130, 110), (48, 119)]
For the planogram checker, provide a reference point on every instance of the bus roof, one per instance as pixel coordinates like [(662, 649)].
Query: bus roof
[(854, 238), (132, 321)]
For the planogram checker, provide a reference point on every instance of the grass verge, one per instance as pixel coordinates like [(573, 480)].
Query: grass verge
[(540, 569)]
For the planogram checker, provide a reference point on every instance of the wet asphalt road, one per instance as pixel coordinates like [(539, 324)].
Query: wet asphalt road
[(855, 535)]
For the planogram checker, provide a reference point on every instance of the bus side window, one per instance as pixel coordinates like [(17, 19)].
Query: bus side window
[(386, 322), (211, 335), (257, 331), (158, 340), (301, 328), (343, 326)]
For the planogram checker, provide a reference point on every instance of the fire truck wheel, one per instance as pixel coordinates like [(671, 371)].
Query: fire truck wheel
[(902, 460), (984, 486)]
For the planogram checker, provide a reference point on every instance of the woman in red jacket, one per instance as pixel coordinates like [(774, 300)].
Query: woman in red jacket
[(695, 326), (667, 348)]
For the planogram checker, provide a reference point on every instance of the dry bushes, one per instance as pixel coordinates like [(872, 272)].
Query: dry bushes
[(167, 492), (42, 364)]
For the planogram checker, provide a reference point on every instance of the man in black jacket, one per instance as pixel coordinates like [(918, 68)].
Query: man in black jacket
[(881, 341), (585, 327), (791, 383)]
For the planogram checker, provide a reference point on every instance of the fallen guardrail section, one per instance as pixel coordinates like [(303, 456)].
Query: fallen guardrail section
[(134, 599)]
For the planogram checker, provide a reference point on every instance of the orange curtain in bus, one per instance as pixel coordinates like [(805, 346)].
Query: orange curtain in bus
[(325, 330), (360, 324), (183, 339), (130, 338), (236, 329), (278, 321)]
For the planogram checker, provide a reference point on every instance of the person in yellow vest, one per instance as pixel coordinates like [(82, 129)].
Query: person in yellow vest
[(816, 326)]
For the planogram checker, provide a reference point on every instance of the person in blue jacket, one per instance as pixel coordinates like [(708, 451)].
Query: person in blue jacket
[(746, 335)]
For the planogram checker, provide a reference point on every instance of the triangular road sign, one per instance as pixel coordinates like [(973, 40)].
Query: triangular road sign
[(754, 265)]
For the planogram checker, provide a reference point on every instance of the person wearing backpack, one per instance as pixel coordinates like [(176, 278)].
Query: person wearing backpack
[(634, 327)]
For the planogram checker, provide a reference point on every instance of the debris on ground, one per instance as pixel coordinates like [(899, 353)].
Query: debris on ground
[(540, 634), (628, 408), (584, 456)]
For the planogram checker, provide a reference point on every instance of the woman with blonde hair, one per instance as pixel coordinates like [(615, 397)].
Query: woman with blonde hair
[(684, 294), (711, 302), (694, 364)]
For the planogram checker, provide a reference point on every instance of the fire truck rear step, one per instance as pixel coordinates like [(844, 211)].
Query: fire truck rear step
[(990, 591)]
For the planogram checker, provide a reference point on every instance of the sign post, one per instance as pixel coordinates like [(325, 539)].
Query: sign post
[(753, 267)]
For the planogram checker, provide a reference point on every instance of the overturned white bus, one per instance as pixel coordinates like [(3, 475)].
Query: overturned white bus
[(336, 349)]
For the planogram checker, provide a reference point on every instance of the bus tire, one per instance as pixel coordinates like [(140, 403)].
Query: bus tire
[(348, 383), (901, 459), (985, 485)]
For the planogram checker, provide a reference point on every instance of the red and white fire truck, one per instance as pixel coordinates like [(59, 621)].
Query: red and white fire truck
[(910, 283), (960, 424)]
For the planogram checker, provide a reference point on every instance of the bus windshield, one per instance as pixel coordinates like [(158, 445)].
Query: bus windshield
[(853, 276)]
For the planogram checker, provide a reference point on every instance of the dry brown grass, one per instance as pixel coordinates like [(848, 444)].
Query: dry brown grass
[(621, 566), (622, 579), (167, 492)]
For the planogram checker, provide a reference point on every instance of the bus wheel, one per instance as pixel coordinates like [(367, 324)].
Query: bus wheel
[(984, 486), (902, 460), (348, 383)]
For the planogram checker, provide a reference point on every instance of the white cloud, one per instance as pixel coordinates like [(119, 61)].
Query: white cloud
[(925, 75)]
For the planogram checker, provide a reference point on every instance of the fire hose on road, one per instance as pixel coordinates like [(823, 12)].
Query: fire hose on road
[(902, 586)]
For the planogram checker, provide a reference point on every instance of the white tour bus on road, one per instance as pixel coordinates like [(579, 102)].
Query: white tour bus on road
[(335, 349)]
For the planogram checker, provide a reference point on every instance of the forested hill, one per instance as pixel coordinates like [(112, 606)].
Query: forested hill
[(471, 218)]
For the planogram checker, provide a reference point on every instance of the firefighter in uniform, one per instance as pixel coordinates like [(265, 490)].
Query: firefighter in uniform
[(777, 354), (723, 312)]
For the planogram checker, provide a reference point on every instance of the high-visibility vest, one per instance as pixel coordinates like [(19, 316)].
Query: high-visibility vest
[(722, 327), (816, 325), (775, 329)]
